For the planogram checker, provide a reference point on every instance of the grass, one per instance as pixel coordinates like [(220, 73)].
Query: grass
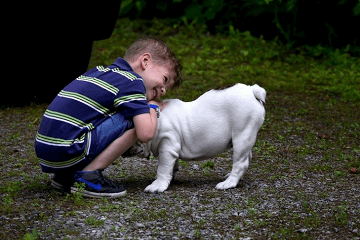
[(311, 132), (211, 61)]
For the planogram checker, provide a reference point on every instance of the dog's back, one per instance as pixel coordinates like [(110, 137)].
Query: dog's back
[(213, 117)]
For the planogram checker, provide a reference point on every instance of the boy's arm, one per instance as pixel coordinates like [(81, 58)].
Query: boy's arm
[(146, 124)]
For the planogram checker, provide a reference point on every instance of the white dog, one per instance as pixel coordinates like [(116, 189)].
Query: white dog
[(206, 127)]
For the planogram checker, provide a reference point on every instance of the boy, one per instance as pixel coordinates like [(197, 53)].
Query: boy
[(99, 115)]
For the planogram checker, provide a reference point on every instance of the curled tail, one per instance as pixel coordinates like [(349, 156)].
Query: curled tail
[(259, 93)]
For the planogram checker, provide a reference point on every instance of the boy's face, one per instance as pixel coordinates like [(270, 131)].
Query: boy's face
[(157, 79)]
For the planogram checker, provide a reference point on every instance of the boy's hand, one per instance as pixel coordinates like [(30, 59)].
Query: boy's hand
[(160, 104), (146, 124)]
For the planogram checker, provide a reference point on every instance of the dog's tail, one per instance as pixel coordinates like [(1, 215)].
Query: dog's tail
[(259, 93)]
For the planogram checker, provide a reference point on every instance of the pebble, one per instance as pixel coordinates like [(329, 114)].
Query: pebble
[(196, 167), (139, 225), (302, 230)]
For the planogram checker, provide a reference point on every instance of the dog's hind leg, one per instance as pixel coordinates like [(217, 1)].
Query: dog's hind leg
[(238, 170), (241, 157)]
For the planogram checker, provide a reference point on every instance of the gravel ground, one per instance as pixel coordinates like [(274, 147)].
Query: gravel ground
[(259, 208), (295, 188)]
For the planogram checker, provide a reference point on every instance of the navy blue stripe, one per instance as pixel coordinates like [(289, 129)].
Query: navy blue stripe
[(94, 93)]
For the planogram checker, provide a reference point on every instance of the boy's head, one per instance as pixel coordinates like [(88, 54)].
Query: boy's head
[(154, 61)]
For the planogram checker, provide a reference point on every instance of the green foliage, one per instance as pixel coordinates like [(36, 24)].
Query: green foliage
[(128, 5), (204, 11), (294, 22), (356, 9), (239, 57), (198, 10), (341, 215), (276, 7), (77, 196), (33, 235), (208, 164), (94, 222)]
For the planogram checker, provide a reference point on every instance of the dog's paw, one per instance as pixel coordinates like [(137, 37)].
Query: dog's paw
[(157, 186), (230, 182)]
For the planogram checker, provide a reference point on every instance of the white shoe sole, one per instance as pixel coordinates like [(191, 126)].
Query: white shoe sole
[(98, 195), (57, 185)]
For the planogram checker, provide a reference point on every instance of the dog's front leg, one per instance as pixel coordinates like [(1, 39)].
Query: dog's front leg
[(164, 172)]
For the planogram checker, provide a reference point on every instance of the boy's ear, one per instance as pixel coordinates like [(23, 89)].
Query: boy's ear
[(145, 60)]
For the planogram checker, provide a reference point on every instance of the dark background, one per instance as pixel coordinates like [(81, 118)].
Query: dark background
[(49, 45), (333, 24)]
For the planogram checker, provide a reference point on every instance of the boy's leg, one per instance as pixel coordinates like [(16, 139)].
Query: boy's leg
[(109, 140), (113, 151), (96, 185)]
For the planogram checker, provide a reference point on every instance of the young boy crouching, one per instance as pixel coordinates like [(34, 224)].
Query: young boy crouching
[(100, 114)]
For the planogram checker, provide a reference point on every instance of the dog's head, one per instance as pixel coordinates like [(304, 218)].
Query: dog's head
[(138, 149)]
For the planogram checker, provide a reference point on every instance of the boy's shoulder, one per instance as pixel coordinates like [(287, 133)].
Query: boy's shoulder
[(119, 72)]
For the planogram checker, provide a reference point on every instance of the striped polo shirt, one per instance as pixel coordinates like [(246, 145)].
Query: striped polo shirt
[(64, 136)]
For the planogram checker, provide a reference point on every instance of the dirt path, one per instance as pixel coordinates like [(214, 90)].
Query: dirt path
[(300, 184)]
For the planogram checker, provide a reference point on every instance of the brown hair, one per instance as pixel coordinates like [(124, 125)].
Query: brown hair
[(160, 52)]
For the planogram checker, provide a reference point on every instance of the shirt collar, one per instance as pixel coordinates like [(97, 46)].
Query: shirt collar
[(122, 64)]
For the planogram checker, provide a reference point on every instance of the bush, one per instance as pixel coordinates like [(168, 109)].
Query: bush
[(295, 22)]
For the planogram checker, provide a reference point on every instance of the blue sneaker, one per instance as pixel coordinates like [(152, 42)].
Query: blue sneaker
[(96, 185)]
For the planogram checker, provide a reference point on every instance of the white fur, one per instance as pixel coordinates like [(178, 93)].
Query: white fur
[(206, 127)]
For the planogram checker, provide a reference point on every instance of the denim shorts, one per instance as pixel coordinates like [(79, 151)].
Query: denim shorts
[(108, 131), (96, 141)]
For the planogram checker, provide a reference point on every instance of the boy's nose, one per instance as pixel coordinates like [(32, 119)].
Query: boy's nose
[(162, 91)]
